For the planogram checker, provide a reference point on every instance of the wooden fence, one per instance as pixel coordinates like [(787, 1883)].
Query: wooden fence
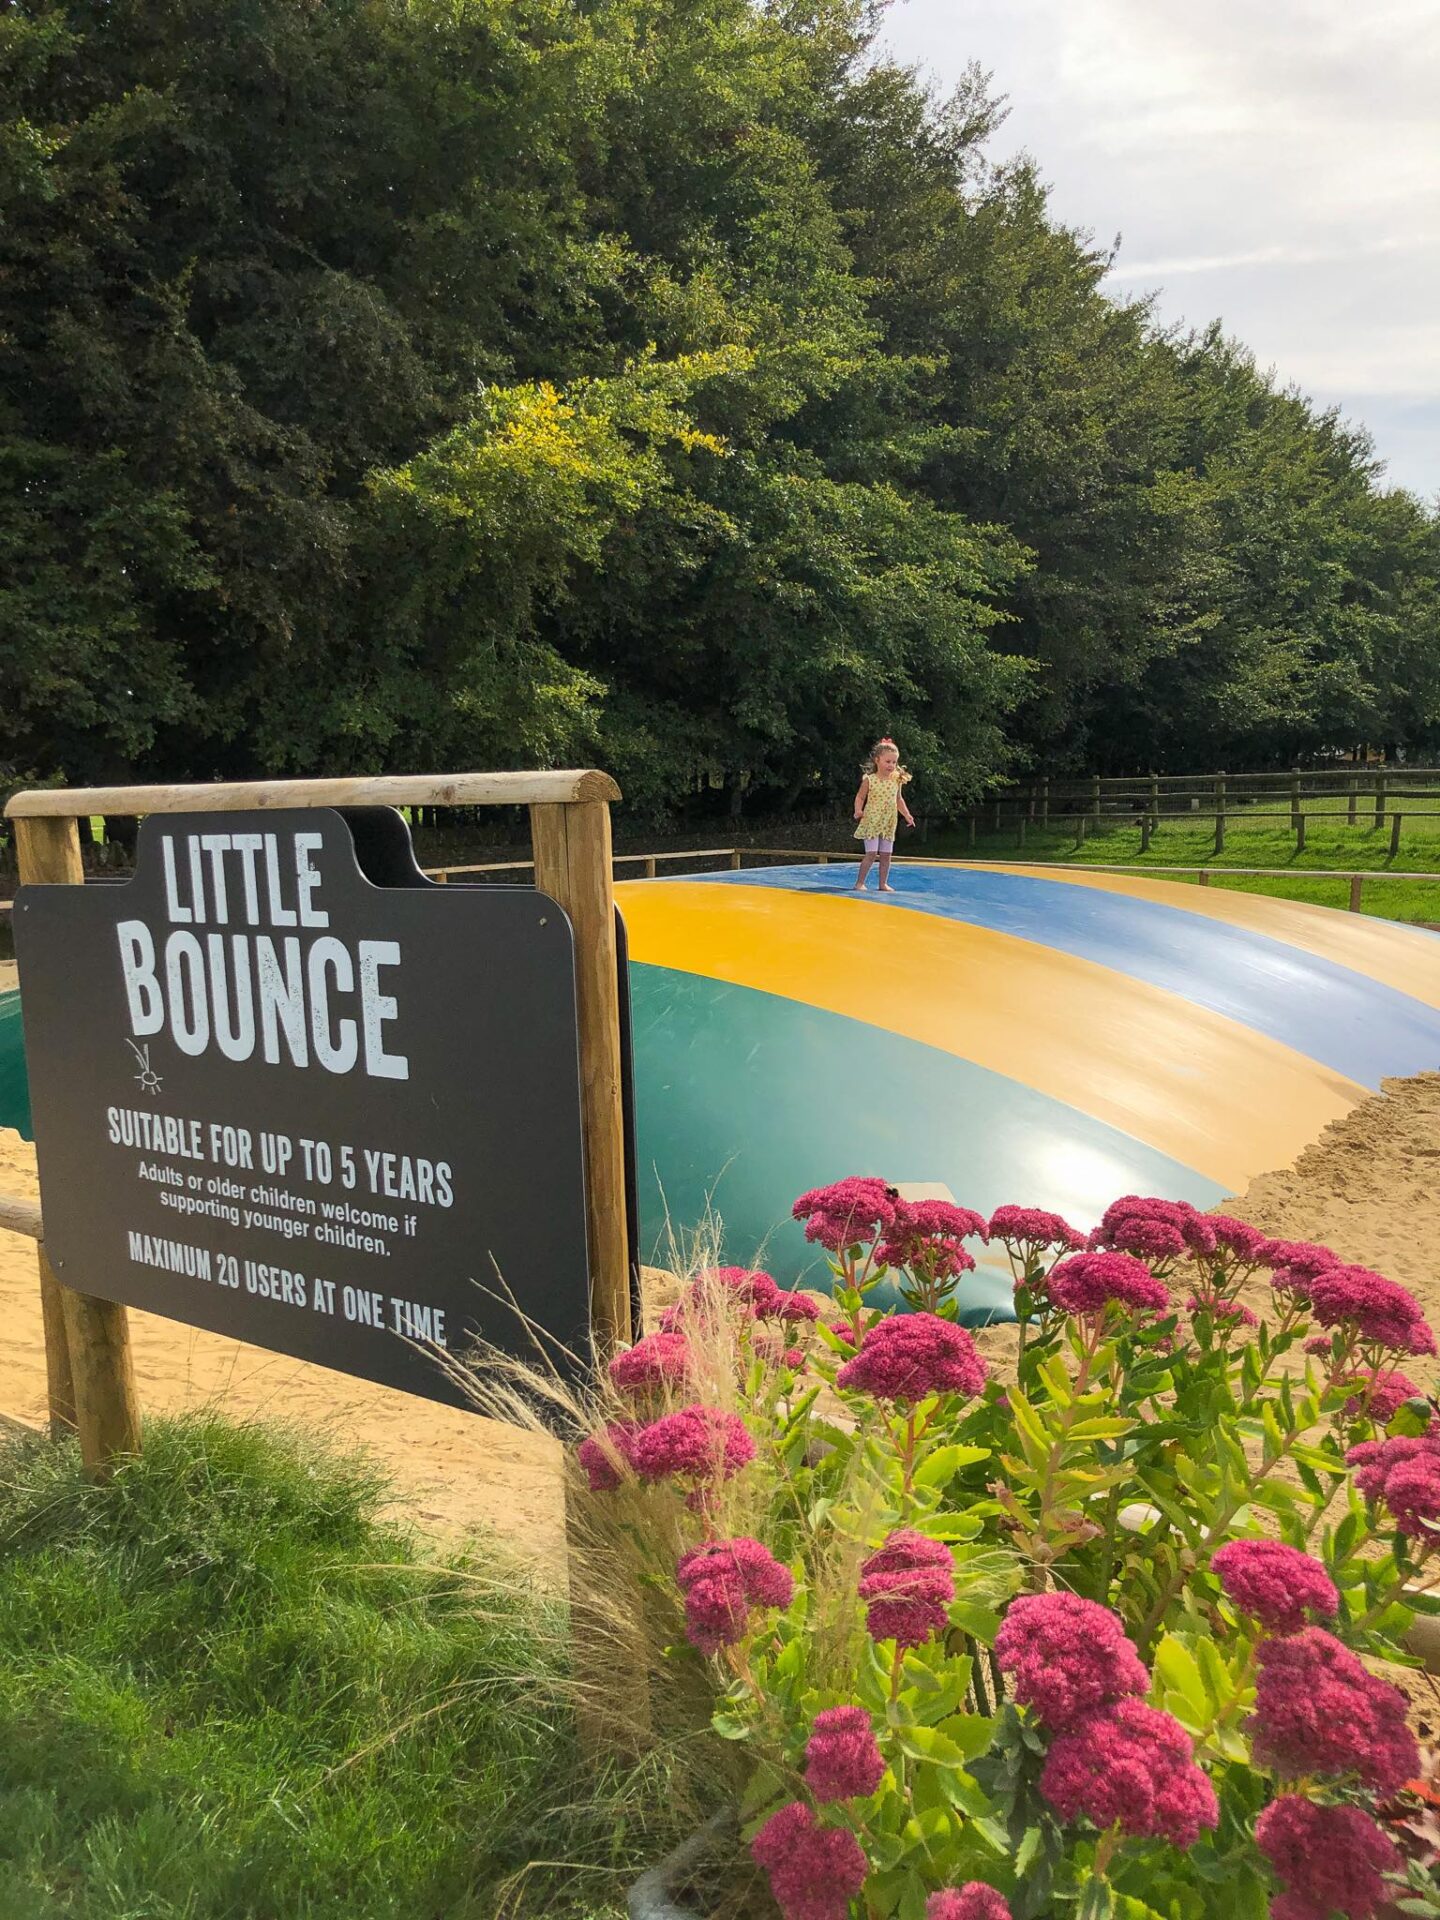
[(1371, 799)]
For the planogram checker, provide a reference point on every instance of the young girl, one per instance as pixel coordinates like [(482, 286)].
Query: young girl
[(877, 803)]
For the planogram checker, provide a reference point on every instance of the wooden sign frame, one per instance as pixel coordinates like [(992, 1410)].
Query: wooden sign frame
[(91, 1380)]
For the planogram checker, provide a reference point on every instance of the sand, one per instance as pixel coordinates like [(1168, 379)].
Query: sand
[(1369, 1187)]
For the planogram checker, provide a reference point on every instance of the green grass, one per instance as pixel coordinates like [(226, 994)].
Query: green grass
[(1329, 844), (227, 1693)]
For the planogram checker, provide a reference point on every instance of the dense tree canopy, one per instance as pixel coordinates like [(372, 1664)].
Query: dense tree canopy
[(671, 383)]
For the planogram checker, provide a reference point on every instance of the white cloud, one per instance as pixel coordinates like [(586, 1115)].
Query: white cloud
[(1274, 165)]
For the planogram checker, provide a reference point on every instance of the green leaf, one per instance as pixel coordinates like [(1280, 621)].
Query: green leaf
[(979, 1621), (1101, 1427), (729, 1728), (940, 1467), (972, 1733), (1176, 1669)]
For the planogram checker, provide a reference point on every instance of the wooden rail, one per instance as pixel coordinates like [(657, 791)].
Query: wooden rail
[(567, 788)]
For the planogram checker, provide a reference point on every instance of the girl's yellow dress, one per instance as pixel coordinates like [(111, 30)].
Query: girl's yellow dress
[(882, 806)]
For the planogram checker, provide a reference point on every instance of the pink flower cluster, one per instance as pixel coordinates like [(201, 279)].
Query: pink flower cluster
[(908, 1356), (1032, 1230), (604, 1455), (1112, 1758), (1229, 1313), (1330, 1858), (848, 1213), (1090, 1282), (1379, 1395), (721, 1581), (973, 1901), (928, 1234), (1404, 1473), (1153, 1229), (693, 1443), (1317, 1710), (908, 1585), (1133, 1766), (1067, 1656), (815, 1872), (659, 1360), (756, 1294), (1381, 1311), (843, 1760), (1297, 1260), (1275, 1584), (1245, 1246)]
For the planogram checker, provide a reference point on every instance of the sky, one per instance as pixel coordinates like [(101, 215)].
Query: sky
[(1273, 164)]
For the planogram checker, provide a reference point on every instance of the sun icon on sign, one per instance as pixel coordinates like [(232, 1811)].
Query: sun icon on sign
[(149, 1080)]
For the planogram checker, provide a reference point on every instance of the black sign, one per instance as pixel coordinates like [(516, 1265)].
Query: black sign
[(287, 1089)]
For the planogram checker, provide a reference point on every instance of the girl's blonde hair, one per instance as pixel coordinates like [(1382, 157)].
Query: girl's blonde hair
[(882, 745)]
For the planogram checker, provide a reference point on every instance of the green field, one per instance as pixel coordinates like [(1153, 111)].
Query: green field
[(227, 1692), (1329, 843)]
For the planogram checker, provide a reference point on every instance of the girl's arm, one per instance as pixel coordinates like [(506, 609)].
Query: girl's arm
[(861, 797), (905, 813)]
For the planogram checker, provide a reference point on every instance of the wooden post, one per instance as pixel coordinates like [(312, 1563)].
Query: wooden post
[(970, 828), (1220, 795), (1357, 881), (1095, 795), (1203, 877), (1220, 832), (90, 1380), (649, 866), (1295, 803), (1299, 824), (573, 865), (734, 859), (1395, 820), (1379, 799), (1081, 830), (1145, 830), (1352, 797), (1155, 796), (1045, 801)]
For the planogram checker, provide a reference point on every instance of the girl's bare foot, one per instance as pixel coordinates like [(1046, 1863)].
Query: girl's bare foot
[(885, 889)]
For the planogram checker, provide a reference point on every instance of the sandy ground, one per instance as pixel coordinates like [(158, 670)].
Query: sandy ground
[(9, 976), (1369, 1187)]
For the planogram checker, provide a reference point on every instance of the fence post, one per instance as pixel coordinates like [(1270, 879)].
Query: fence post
[(649, 866), (1095, 795), (573, 864), (1220, 794), (734, 859), (1081, 830), (1299, 825), (90, 1379), (1155, 797), (1220, 832), (1379, 799), (1145, 833), (1352, 798), (1395, 820), (1045, 801), (1357, 881), (1202, 878), (1295, 815), (970, 827)]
